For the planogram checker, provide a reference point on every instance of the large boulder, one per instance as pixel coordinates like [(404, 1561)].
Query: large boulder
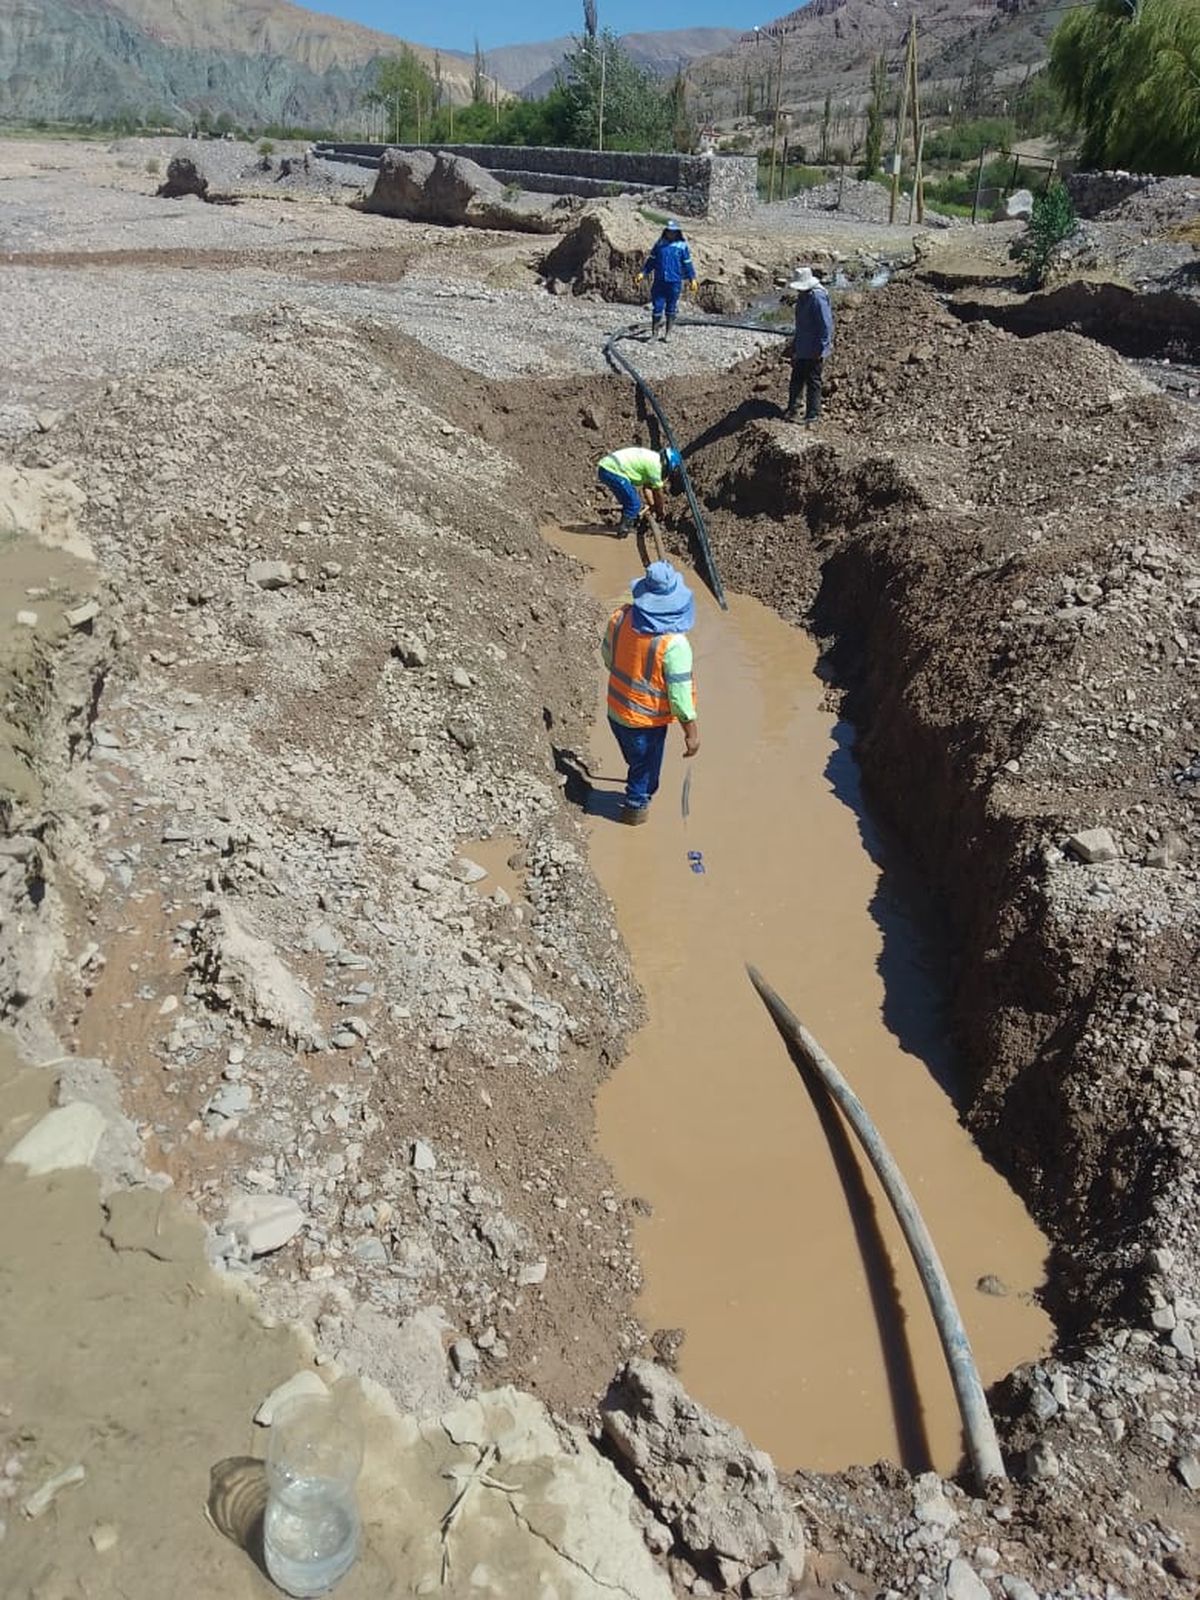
[(215, 170), (1018, 207), (718, 1495), (421, 186)]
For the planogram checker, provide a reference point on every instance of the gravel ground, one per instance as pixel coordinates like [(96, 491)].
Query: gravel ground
[(71, 329), (856, 201)]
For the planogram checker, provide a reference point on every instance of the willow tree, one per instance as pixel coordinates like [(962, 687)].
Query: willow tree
[(1128, 72)]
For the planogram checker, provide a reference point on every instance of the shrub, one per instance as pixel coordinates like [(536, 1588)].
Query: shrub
[(1053, 220)]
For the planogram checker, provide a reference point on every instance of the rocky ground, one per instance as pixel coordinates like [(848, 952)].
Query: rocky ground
[(288, 874)]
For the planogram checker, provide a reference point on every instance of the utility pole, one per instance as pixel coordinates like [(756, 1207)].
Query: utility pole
[(918, 132), (775, 128), (600, 114), (905, 86)]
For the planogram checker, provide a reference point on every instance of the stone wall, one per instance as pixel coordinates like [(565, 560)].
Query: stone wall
[(697, 186), (1093, 192)]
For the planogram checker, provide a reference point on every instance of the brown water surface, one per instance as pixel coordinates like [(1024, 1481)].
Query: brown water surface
[(770, 1242)]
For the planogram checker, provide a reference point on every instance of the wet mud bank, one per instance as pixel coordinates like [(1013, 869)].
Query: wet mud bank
[(911, 605)]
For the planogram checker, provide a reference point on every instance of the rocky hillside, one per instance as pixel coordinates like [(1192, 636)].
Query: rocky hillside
[(529, 68), (259, 60), (829, 46)]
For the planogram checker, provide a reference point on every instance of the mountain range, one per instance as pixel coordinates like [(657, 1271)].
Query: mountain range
[(530, 69), (268, 61), (828, 47)]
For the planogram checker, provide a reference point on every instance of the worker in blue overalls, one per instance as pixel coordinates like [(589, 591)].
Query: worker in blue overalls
[(668, 266)]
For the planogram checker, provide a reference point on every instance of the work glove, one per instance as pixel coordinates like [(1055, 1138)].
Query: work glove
[(640, 278), (693, 287)]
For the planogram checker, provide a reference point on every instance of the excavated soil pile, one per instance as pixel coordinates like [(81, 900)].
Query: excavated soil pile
[(1160, 326)]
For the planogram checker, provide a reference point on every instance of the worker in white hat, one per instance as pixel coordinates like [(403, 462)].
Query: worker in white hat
[(812, 343)]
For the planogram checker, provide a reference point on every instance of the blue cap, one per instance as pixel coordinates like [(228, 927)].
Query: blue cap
[(672, 460), (673, 227)]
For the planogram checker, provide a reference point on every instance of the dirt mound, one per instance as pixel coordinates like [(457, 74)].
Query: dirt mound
[(1168, 203), (605, 250), (454, 192), (1142, 326)]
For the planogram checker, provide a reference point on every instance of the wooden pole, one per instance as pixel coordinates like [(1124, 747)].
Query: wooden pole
[(775, 128), (982, 1444), (905, 85), (917, 199), (978, 187), (915, 93)]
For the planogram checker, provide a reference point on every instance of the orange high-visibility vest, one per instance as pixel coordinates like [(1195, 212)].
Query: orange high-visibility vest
[(637, 684)]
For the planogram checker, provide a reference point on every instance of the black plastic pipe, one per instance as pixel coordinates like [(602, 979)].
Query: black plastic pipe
[(620, 362)]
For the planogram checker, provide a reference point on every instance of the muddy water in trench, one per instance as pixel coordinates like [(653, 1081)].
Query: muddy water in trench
[(770, 1242)]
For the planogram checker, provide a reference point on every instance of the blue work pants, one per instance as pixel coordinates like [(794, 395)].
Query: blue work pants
[(627, 493), (664, 297), (643, 750)]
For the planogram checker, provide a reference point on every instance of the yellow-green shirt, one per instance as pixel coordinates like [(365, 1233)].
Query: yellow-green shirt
[(640, 466)]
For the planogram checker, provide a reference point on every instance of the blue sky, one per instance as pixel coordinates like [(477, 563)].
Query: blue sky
[(453, 24)]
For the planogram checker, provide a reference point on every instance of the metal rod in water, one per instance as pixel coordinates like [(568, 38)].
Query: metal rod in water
[(982, 1445)]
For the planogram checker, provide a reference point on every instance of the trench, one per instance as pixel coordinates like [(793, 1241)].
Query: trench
[(766, 1240)]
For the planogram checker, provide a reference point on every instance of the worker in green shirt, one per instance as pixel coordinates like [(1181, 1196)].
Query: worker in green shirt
[(636, 472)]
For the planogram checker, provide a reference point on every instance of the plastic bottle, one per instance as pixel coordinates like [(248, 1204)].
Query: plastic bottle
[(311, 1530)]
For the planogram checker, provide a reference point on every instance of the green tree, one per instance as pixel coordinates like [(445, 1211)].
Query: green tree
[(1053, 220), (825, 125), (404, 88), (873, 145), (1128, 72), (602, 81), (684, 132), (479, 83)]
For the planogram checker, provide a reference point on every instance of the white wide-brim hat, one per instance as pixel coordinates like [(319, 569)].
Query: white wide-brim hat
[(805, 278)]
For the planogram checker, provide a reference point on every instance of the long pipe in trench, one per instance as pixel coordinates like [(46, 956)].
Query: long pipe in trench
[(982, 1445)]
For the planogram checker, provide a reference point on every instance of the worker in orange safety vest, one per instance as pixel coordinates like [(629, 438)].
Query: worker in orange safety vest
[(649, 660)]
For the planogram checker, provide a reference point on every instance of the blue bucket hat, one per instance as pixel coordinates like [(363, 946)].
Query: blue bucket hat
[(662, 601)]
